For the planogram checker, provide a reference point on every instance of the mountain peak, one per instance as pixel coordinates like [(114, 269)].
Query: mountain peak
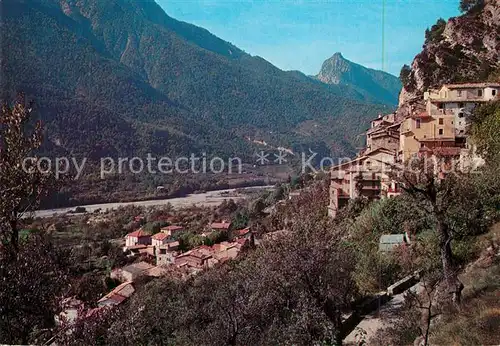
[(333, 68), (337, 56), (379, 85)]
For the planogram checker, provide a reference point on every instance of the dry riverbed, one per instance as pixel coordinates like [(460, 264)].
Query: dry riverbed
[(209, 198)]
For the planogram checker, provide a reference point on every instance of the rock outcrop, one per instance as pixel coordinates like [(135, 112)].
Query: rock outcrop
[(464, 49)]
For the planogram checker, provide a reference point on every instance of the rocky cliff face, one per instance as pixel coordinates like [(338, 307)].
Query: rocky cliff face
[(464, 49), (333, 69), (370, 83)]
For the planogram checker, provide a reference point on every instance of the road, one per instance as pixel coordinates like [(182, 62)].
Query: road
[(209, 198)]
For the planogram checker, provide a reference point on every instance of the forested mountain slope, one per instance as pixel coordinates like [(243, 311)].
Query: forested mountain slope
[(121, 77)]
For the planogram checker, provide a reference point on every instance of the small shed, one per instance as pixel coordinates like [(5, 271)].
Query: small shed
[(388, 242)]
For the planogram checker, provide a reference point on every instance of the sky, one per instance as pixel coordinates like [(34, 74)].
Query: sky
[(301, 34)]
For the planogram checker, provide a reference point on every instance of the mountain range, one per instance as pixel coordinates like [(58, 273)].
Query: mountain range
[(121, 77)]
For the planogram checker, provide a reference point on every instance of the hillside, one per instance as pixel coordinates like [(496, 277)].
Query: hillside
[(121, 77), (371, 83), (462, 49)]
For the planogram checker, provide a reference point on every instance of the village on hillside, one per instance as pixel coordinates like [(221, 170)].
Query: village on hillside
[(168, 252), (435, 128)]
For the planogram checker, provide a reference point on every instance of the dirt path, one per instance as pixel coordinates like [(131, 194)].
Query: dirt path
[(378, 319)]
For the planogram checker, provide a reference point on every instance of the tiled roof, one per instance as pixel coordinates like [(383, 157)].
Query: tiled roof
[(173, 243), (126, 289), (442, 151), (160, 236), (220, 225), (392, 238), (241, 241), (137, 234), (244, 231), (424, 149), (422, 115), (194, 253), (115, 298), (137, 268), (119, 294), (472, 85), (447, 151), (157, 271)]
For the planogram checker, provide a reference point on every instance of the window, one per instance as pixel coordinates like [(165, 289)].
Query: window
[(441, 121), (417, 123), (440, 132), (460, 115), (480, 93), (493, 92)]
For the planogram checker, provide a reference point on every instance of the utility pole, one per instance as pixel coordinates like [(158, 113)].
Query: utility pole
[(383, 35)]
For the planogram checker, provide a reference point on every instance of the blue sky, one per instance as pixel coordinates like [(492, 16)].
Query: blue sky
[(301, 34)]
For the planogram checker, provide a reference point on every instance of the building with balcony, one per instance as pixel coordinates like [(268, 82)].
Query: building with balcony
[(460, 100), (366, 176), (424, 130)]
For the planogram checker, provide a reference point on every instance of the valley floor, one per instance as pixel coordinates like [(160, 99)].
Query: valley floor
[(210, 198)]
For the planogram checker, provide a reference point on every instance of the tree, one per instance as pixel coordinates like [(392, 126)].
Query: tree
[(22, 181), (32, 270), (404, 75), (469, 5), (436, 31), (422, 180), (485, 130), (30, 285)]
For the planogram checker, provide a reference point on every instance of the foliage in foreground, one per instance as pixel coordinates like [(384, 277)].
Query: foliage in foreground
[(294, 289), (32, 271)]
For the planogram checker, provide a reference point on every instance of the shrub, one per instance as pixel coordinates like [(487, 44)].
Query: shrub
[(435, 34), (404, 75), (470, 5)]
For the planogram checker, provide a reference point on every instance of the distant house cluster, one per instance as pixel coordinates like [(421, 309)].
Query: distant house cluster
[(439, 128), (203, 257), (163, 249)]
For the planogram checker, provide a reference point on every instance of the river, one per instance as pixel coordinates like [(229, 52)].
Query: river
[(209, 198)]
